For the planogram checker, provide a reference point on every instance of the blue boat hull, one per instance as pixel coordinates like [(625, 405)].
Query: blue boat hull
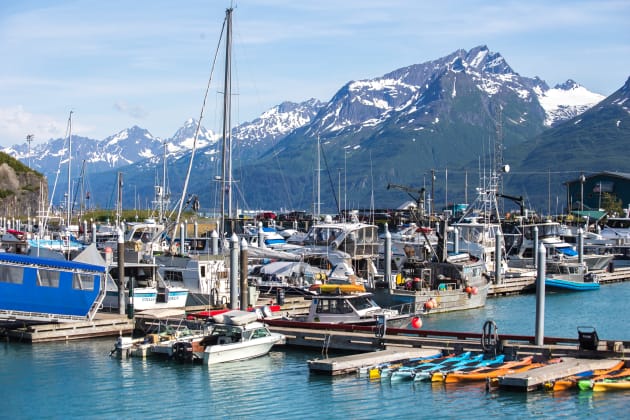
[(567, 285)]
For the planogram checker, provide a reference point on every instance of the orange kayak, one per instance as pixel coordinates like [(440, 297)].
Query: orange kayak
[(482, 374)]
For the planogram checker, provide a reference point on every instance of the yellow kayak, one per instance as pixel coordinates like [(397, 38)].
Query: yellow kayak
[(612, 385)]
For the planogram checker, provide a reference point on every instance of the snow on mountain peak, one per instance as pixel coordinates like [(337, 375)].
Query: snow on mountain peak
[(565, 101)]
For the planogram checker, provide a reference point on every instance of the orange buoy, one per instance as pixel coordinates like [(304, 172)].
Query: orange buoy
[(428, 304), (468, 289), (416, 322)]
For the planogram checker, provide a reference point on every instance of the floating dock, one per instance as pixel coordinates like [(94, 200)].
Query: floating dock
[(104, 325), (353, 363), (535, 379)]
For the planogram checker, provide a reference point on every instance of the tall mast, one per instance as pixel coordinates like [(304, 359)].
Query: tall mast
[(226, 165), (163, 195), (69, 193), (318, 207)]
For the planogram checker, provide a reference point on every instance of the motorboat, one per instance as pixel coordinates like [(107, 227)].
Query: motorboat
[(519, 240), (347, 304), (234, 335)]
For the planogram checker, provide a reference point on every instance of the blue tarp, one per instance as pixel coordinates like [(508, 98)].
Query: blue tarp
[(568, 251)]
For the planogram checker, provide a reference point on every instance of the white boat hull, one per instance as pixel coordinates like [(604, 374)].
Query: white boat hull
[(222, 353)]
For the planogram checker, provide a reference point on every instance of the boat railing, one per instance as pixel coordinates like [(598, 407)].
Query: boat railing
[(405, 308)]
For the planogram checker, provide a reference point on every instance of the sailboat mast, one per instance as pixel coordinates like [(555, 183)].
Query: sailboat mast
[(227, 141), (162, 196), (318, 179), (69, 194)]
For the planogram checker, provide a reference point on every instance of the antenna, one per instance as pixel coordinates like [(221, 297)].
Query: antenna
[(29, 139)]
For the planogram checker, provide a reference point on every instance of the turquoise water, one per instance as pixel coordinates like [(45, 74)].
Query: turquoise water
[(80, 380)]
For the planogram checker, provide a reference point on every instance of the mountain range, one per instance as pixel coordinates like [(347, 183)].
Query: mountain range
[(441, 125)]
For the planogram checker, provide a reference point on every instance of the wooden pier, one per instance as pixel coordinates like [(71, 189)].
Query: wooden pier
[(104, 325)]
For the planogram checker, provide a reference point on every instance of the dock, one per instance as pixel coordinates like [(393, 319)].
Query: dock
[(535, 379), (103, 325), (353, 363), (513, 285)]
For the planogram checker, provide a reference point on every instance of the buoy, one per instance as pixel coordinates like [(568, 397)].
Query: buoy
[(468, 289), (475, 290), (416, 322), (428, 304)]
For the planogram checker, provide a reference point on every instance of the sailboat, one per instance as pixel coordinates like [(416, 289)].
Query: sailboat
[(206, 276), (53, 244)]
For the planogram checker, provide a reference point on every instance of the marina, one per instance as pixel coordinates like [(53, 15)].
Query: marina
[(242, 389)]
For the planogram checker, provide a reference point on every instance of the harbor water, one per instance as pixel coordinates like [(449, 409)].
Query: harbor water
[(79, 379)]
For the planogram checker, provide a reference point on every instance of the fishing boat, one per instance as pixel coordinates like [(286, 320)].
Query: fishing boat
[(206, 277), (346, 304), (144, 287), (234, 335), (564, 276), (54, 290), (448, 281)]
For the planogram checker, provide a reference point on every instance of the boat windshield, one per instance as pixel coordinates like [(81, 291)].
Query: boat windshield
[(362, 303)]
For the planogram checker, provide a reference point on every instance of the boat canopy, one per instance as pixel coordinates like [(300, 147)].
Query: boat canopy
[(568, 251)]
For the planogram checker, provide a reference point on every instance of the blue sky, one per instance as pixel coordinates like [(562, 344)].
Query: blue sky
[(121, 63)]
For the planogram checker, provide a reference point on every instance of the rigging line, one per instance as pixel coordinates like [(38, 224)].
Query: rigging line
[(192, 155), (332, 185), (52, 196)]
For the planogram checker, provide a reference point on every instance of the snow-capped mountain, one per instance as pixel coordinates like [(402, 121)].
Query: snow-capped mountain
[(404, 92), (565, 101), (434, 114)]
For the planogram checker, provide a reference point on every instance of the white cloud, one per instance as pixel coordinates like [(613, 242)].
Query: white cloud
[(16, 124)]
